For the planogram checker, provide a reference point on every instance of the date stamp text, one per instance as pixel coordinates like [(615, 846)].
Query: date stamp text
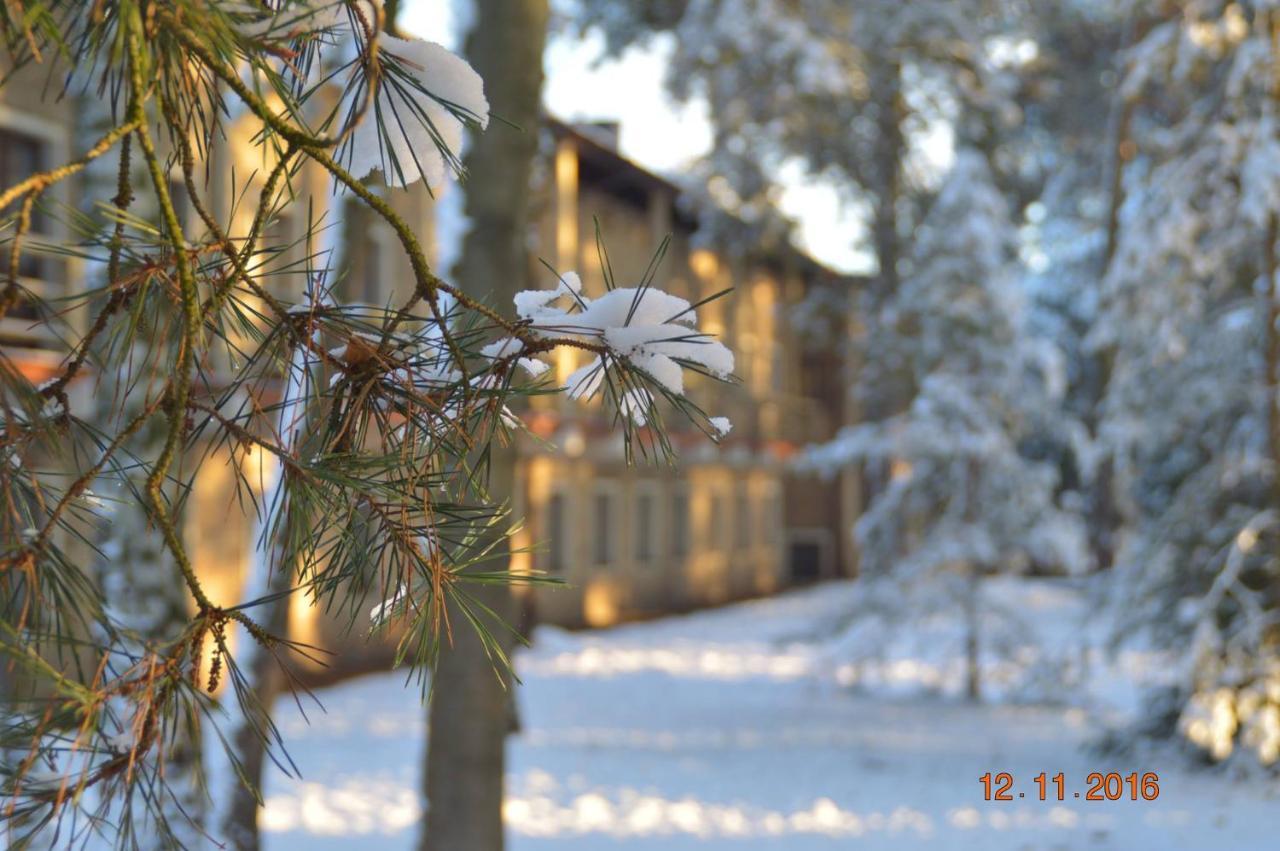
[(1098, 786)]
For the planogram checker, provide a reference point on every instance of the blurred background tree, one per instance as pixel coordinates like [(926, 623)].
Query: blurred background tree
[(472, 710)]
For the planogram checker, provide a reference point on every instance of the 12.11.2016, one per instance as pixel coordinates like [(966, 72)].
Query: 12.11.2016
[(1099, 786)]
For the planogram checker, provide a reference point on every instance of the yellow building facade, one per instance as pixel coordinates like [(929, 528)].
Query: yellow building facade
[(635, 541), (726, 521)]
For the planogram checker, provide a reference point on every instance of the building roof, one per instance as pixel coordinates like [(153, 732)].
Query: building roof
[(608, 169)]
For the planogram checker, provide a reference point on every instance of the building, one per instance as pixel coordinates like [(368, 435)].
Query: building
[(36, 135), (731, 521)]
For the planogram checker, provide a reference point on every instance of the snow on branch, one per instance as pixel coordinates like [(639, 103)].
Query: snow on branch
[(403, 102), (425, 99), (642, 327)]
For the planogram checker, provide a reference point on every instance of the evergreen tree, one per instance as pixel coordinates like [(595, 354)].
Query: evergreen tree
[(964, 501), (850, 90), (1072, 197), (1189, 416)]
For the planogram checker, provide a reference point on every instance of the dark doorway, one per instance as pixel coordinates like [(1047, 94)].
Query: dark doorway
[(806, 561)]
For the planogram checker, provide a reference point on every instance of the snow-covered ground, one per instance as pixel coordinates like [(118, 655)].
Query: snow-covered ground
[(735, 729)]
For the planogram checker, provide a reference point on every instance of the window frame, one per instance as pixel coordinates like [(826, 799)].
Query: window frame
[(679, 543), (718, 536), (645, 548), (55, 139), (556, 558), (378, 248), (742, 537), (604, 542)]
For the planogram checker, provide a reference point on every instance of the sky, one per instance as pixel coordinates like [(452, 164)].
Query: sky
[(656, 132)]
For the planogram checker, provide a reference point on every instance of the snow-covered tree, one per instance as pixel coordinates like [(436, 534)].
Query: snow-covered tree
[(1190, 414), (1069, 155), (380, 420), (963, 498), (848, 90)]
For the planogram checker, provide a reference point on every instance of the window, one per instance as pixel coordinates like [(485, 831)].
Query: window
[(715, 524), (557, 546), (364, 246), (371, 289), (764, 519), (775, 520), (644, 529), (181, 201), (20, 157), (746, 359), (742, 520), (274, 243), (680, 523), (602, 549)]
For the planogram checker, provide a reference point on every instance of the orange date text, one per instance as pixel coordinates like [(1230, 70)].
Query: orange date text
[(1098, 786)]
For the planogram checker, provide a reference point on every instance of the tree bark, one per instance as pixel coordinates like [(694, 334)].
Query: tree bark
[(1103, 514), (240, 822), (972, 590), (140, 581), (470, 711), (270, 577), (886, 93), (1272, 311), (1103, 517), (1118, 127), (885, 185), (972, 645)]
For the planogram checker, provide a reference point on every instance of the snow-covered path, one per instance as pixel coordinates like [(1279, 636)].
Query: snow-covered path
[(722, 730)]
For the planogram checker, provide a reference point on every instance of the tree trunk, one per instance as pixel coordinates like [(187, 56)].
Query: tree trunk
[(1118, 128), (240, 822), (1272, 311), (886, 191), (470, 711), (270, 576), (1271, 296), (886, 93), (972, 645), (972, 578), (142, 586), (1103, 515)]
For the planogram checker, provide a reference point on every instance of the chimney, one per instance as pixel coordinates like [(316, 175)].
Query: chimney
[(604, 133)]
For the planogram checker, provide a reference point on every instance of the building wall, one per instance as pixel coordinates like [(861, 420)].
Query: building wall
[(723, 523), (218, 523), (31, 127)]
